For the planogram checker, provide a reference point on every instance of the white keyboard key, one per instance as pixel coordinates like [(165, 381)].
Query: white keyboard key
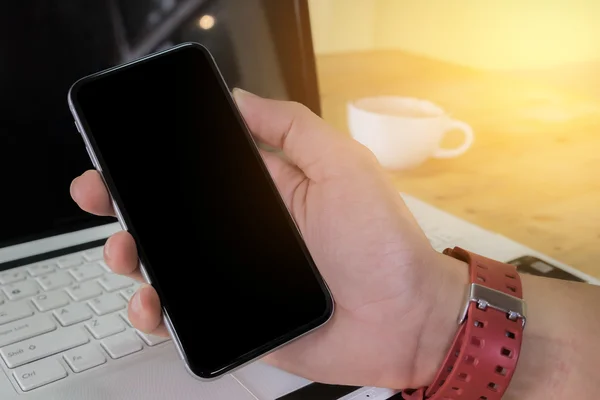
[(152, 340), (50, 301), (96, 254), (84, 358), (107, 303), (14, 311), (72, 314), (106, 267), (123, 315), (41, 268), (55, 281), (112, 282), (43, 346), (128, 293), (20, 290), (84, 291), (72, 260), (25, 329), (122, 344), (38, 374), (86, 272), (108, 325), (11, 276)]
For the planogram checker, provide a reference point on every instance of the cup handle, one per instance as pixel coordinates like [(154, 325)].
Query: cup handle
[(469, 138)]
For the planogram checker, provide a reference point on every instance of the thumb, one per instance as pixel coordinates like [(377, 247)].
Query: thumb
[(307, 141)]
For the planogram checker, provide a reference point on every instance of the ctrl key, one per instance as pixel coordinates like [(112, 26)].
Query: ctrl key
[(40, 373)]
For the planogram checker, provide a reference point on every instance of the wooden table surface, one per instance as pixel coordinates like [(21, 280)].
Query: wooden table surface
[(533, 173)]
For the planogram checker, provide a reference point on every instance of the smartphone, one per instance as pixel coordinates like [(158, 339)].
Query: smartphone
[(213, 234), (322, 391), (534, 266)]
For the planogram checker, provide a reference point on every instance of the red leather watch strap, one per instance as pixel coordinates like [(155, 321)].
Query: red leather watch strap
[(484, 354)]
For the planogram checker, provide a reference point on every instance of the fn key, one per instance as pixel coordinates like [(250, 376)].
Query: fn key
[(40, 373)]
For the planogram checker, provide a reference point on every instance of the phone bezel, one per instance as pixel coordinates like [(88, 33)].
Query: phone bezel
[(124, 220)]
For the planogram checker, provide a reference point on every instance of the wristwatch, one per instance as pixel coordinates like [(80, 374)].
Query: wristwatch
[(485, 351)]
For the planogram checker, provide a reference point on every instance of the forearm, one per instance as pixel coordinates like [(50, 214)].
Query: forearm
[(561, 346)]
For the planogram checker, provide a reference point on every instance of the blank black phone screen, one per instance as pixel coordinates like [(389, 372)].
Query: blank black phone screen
[(231, 269)]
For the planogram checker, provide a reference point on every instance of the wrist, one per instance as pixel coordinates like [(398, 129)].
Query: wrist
[(447, 285), (547, 357)]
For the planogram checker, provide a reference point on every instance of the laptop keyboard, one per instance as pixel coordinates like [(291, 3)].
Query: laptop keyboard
[(64, 316)]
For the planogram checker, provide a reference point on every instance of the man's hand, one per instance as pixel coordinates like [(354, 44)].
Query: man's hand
[(396, 299)]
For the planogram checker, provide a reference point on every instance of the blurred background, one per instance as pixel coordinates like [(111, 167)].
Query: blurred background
[(523, 74)]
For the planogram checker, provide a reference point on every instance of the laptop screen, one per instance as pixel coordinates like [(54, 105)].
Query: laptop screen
[(46, 45)]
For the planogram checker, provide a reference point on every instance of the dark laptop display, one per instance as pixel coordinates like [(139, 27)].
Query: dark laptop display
[(260, 45)]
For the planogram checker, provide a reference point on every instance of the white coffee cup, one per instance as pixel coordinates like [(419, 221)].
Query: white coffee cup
[(403, 132)]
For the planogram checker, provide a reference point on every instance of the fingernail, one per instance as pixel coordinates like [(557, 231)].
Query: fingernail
[(240, 93), (107, 249), (136, 302), (73, 191)]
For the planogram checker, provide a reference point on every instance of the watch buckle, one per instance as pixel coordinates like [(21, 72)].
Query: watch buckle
[(485, 297)]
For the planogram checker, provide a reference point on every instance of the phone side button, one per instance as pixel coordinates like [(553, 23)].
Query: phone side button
[(77, 126)]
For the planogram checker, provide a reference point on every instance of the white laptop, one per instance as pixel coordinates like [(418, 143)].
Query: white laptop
[(64, 332)]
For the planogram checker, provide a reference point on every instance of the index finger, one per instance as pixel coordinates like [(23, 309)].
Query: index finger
[(309, 142), (90, 194)]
